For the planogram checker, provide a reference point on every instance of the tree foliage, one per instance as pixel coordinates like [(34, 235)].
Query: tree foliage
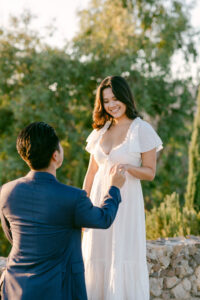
[(148, 32), (193, 186), (40, 83)]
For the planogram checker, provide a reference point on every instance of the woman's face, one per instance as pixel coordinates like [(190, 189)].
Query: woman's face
[(112, 106)]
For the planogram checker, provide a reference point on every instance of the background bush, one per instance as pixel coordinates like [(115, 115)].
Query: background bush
[(170, 220)]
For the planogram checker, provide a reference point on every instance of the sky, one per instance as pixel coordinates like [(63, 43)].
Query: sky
[(62, 13)]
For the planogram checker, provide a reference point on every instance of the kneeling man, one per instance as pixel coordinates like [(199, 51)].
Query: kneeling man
[(42, 218)]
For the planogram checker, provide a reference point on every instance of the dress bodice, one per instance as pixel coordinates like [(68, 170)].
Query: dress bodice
[(140, 137), (118, 154)]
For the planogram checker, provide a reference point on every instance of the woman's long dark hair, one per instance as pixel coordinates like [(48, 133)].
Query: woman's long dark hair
[(122, 92)]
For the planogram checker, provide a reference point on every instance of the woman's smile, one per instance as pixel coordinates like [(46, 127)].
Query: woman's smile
[(114, 110)]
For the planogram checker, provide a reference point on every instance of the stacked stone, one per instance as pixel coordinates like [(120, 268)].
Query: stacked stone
[(174, 268)]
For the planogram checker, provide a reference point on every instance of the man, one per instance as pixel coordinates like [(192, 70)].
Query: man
[(42, 218)]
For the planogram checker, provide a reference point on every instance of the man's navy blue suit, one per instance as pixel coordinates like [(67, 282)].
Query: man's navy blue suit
[(42, 218)]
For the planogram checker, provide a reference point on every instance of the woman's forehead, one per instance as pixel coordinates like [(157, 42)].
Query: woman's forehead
[(108, 93)]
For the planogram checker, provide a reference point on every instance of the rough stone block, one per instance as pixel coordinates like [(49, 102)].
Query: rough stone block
[(187, 284), (180, 293), (171, 282), (156, 286)]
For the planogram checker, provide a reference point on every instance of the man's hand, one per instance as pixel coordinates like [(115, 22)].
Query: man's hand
[(117, 176)]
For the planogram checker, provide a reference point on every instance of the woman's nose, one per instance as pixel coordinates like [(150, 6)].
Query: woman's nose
[(112, 104)]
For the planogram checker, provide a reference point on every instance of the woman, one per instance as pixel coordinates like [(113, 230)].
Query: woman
[(115, 259)]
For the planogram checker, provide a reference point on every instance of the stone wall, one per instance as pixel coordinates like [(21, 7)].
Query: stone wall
[(174, 268)]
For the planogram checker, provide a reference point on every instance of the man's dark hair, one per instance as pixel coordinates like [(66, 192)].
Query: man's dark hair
[(36, 143)]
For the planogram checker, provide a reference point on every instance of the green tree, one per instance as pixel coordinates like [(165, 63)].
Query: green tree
[(146, 32), (193, 185), (41, 83)]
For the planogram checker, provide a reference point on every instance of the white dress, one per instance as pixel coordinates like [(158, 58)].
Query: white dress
[(115, 259)]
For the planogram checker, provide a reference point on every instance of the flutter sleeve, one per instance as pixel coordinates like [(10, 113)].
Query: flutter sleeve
[(94, 137), (91, 141), (144, 138)]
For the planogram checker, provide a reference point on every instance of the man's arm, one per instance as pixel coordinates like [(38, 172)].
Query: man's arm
[(4, 223), (6, 227), (90, 216)]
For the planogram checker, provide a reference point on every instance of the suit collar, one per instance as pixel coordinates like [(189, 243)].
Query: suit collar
[(41, 175)]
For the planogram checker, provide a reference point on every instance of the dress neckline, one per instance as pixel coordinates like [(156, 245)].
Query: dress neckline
[(120, 144)]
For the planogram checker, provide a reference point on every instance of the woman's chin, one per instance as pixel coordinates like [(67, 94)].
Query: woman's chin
[(116, 115)]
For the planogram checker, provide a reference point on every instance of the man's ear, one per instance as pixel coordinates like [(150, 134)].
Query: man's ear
[(55, 155)]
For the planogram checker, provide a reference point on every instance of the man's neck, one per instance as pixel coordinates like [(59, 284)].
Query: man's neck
[(50, 170)]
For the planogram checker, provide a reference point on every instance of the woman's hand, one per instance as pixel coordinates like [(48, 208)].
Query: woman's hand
[(122, 167)]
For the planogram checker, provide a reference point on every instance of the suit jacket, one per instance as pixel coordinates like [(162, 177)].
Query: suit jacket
[(42, 218)]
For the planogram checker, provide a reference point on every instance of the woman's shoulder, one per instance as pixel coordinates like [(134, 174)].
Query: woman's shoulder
[(141, 126), (144, 136), (142, 123), (95, 133)]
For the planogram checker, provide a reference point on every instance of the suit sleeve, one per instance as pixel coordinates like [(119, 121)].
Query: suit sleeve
[(90, 216), (4, 223)]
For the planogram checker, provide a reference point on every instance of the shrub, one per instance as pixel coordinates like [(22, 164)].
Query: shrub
[(170, 220)]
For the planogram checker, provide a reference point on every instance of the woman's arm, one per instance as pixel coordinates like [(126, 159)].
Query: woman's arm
[(89, 177), (148, 169)]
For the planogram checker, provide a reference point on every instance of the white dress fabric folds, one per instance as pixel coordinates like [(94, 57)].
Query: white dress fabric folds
[(115, 259)]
